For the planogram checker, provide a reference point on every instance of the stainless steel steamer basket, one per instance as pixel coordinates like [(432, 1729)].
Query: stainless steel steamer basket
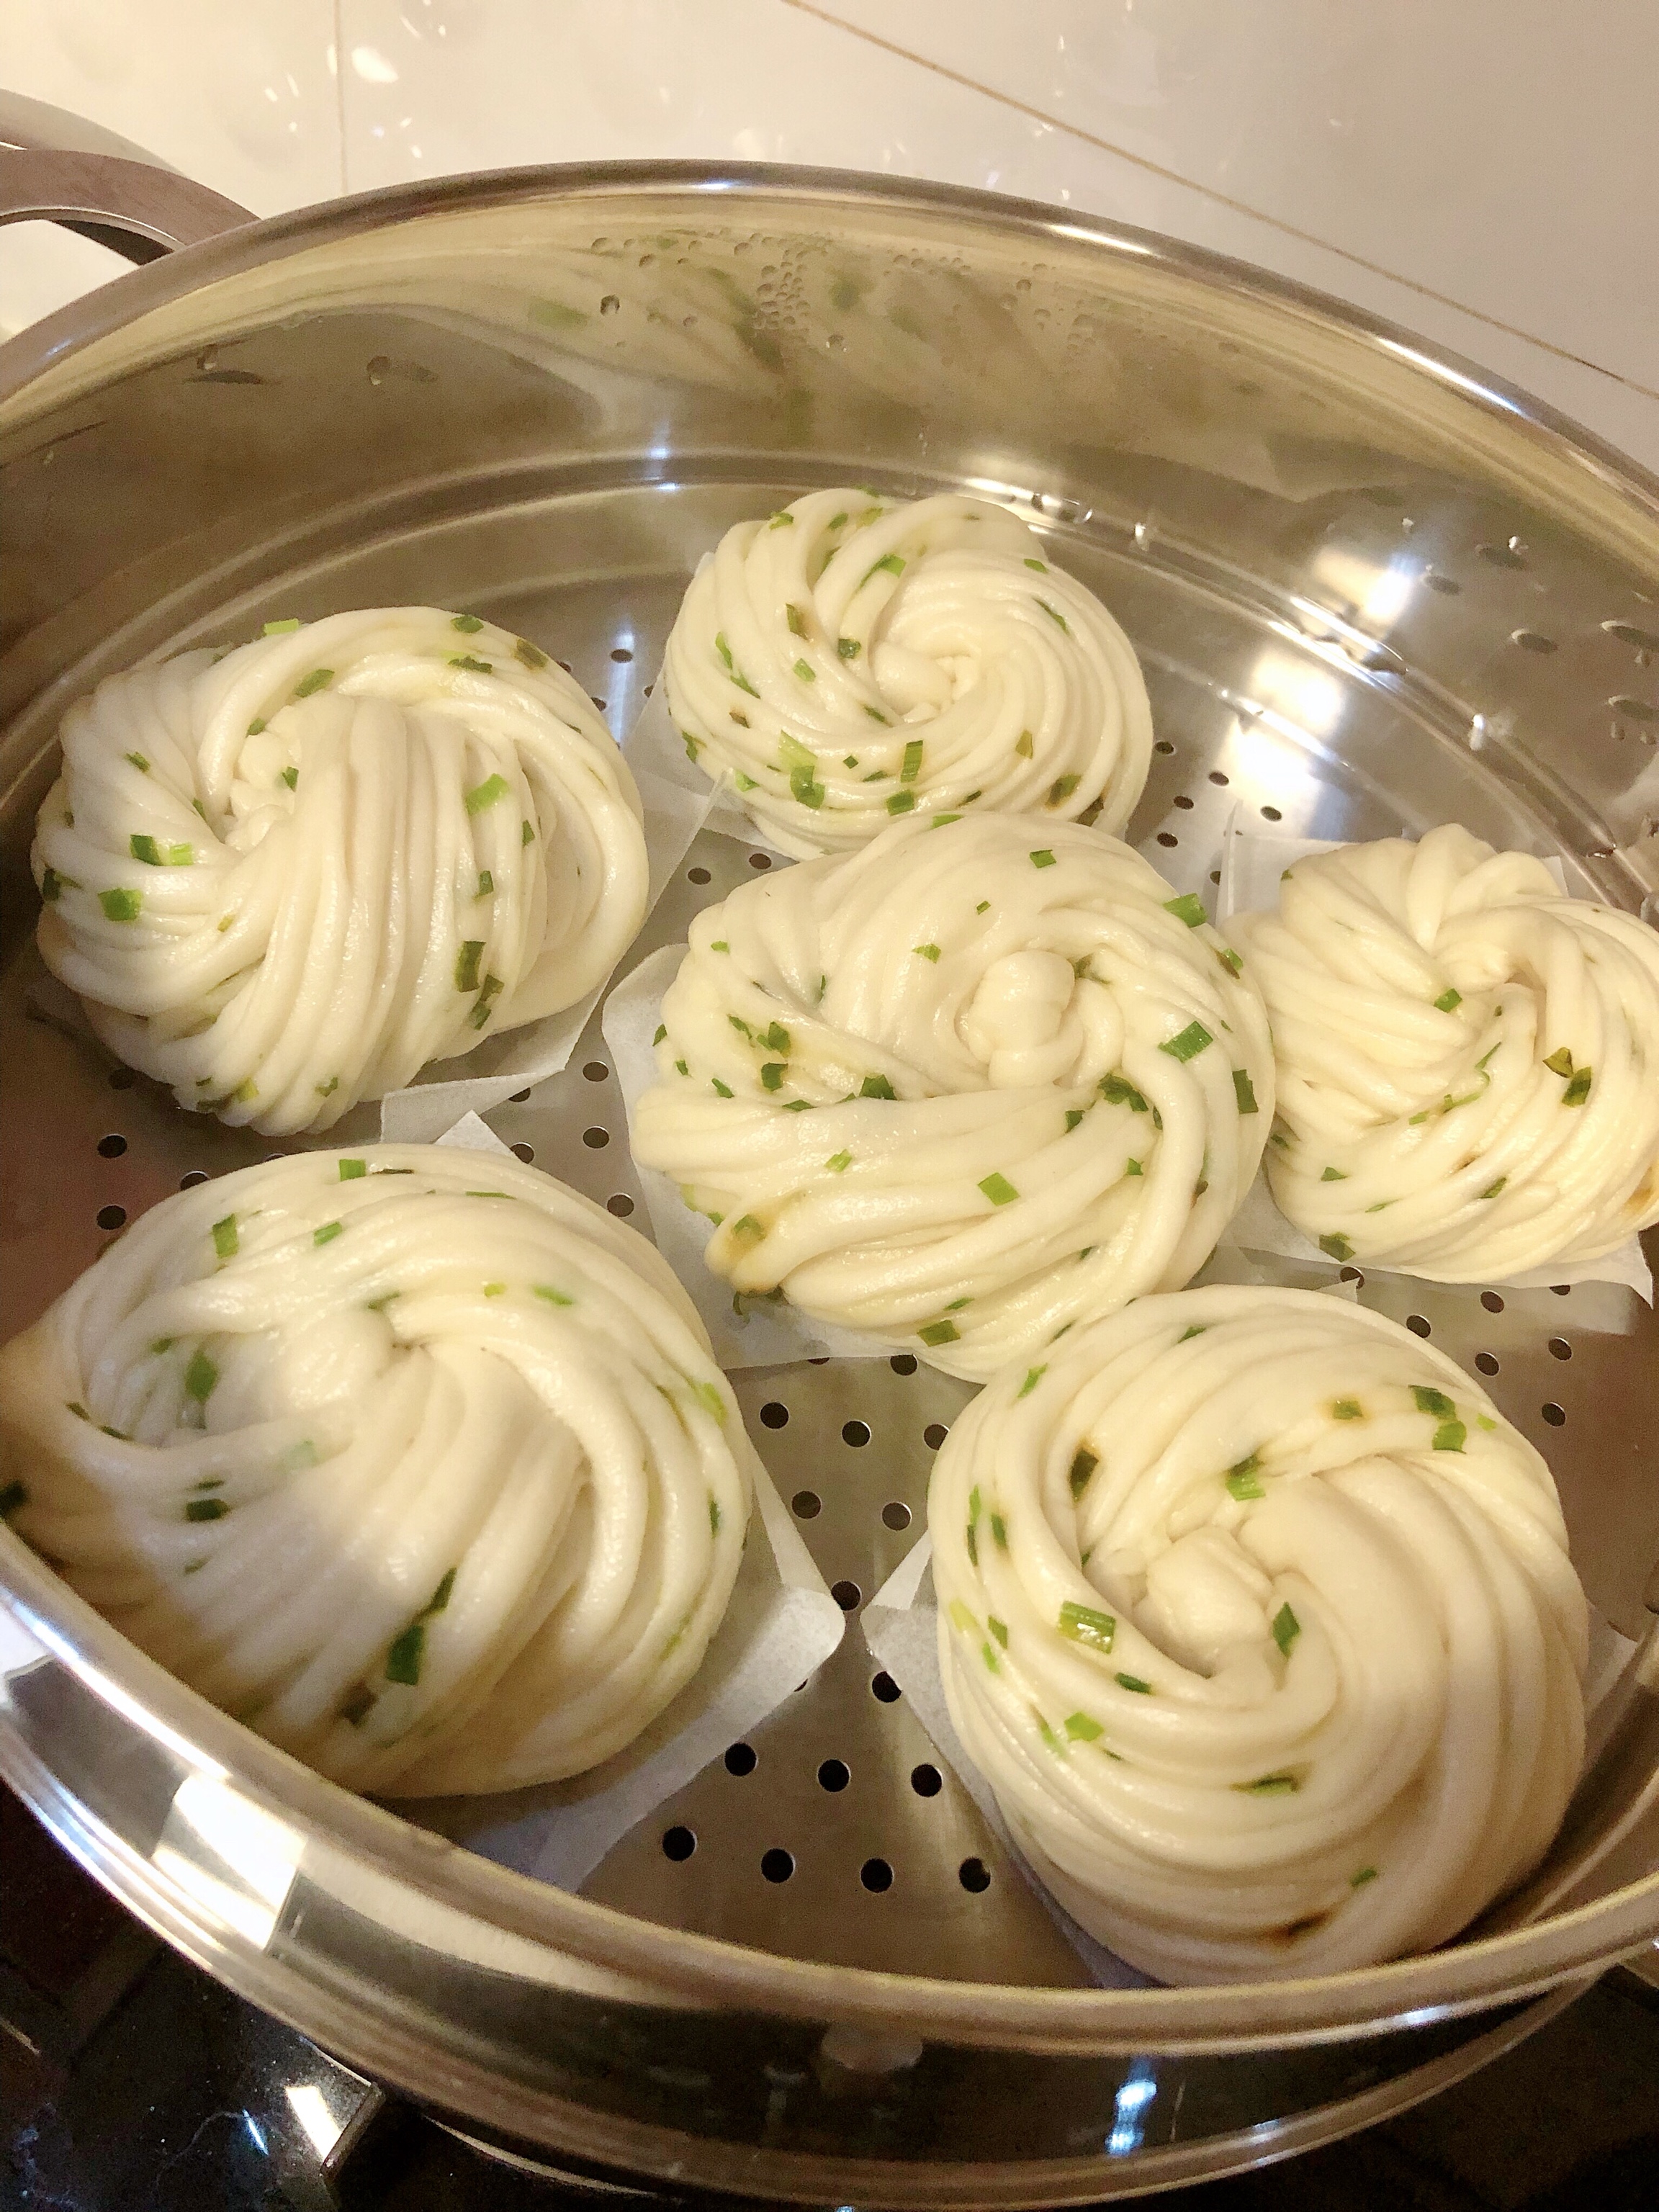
[(1371, 587)]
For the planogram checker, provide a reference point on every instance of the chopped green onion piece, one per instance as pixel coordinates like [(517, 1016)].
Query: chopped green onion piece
[(351, 1169), (1080, 1729), (553, 1297), (1082, 1468), (323, 1090), (1042, 859), (722, 1090), (1270, 1786), (1450, 1436), (1286, 1629), (1116, 1092), (926, 952), (526, 834), (1134, 1682), (1493, 1188), (466, 963), (1033, 1377), (1191, 1042), (1243, 1092), (747, 1226), (1230, 960), (1433, 1401), (471, 661), (838, 1163), (1085, 1624), (440, 1597), (314, 682), (1448, 1002), (999, 1629), (1074, 1115), (226, 1243), (1338, 1248), (773, 1073), (1062, 789), (201, 1377), (531, 655), (281, 629), (1358, 1880), (205, 1508), (1197, 1329), (998, 1188), (291, 778), (1134, 1168), (1242, 1482), (1347, 1409), (849, 647), (805, 787), (468, 623), (328, 1232), (1333, 1174), (901, 802), (1024, 744), (1189, 908), (984, 906), (1578, 1089), (912, 765), (782, 519), (486, 793), (405, 1654), (139, 762), (806, 672), (486, 883), (877, 1086), (939, 1332), (719, 945), (796, 620), (1559, 1062), (1054, 616), (121, 905), (889, 562)]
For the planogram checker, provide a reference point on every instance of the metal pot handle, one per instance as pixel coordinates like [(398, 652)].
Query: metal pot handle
[(56, 168)]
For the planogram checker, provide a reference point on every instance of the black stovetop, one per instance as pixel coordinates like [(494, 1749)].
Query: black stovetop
[(131, 2082)]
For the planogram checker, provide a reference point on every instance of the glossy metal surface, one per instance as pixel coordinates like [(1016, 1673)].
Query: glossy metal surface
[(1369, 592)]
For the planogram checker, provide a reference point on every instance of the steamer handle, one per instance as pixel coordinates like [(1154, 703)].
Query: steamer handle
[(54, 168)]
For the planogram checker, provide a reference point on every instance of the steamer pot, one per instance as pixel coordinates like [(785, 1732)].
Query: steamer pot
[(1372, 586)]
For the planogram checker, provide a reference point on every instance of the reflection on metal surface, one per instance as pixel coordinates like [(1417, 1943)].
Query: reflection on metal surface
[(234, 1859)]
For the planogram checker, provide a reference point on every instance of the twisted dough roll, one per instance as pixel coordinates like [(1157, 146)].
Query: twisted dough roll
[(418, 1463), (960, 1088), (855, 659), (1261, 1623), (1468, 1060), (284, 880)]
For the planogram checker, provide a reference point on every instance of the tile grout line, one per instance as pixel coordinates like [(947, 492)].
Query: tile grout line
[(1221, 199), (339, 92)]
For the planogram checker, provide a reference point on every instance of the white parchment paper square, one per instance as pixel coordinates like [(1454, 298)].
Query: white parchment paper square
[(1251, 867)]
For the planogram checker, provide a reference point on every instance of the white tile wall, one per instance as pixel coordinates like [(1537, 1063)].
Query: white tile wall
[(1476, 172), (1495, 151)]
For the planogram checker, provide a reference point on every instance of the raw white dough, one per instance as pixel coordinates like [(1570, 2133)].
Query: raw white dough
[(855, 659), (1468, 1060), (285, 879), (974, 1082), (1260, 1621), (416, 1461)]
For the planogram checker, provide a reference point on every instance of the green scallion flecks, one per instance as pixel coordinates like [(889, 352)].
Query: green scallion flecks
[(466, 963), (1086, 1624), (1243, 1480), (997, 1187), (486, 793), (1243, 1092), (1189, 908), (1189, 1043), (1286, 1629)]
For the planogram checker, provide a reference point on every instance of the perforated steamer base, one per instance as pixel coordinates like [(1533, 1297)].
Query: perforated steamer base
[(835, 1833)]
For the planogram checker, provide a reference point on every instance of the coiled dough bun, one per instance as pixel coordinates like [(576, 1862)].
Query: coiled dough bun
[(1260, 1621), (416, 1462), (1468, 1060), (855, 659), (284, 880), (975, 1082)]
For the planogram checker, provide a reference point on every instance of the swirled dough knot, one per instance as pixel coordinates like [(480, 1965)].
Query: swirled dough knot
[(855, 659), (283, 879), (961, 1088), (417, 1462), (1259, 1620), (1468, 1060)]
